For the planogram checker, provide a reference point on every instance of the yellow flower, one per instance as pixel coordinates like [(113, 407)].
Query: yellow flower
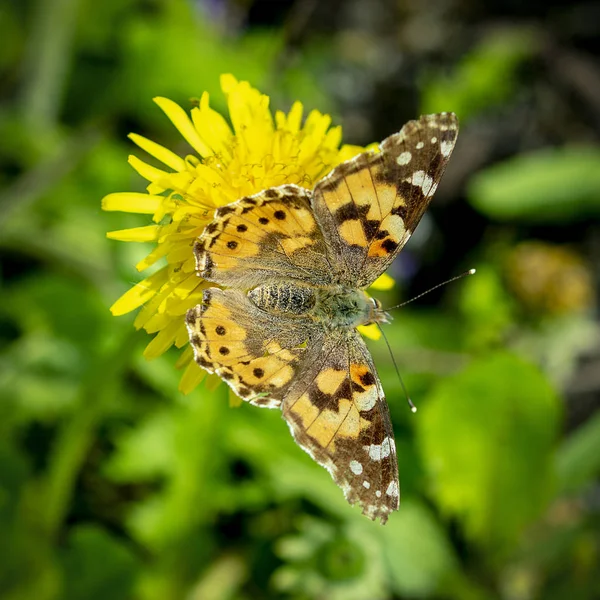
[(255, 152)]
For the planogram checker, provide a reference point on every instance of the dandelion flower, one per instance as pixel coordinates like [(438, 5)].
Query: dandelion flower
[(232, 160)]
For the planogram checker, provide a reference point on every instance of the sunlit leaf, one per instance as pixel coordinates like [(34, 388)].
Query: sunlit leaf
[(548, 186), (487, 437)]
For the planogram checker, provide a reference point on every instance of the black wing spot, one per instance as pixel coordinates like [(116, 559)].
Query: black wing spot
[(232, 244), (241, 228), (203, 362), (279, 214), (220, 330), (224, 350), (389, 245), (367, 379), (400, 211), (263, 220), (348, 212), (258, 373)]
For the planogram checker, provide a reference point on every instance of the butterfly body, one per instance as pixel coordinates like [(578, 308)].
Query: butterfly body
[(294, 265), (333, 307)]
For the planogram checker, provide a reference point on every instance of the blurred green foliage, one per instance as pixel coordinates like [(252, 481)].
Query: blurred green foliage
[(550, 186), (114, 485)]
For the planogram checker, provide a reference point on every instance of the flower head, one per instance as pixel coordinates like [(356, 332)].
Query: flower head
[(254, 152)]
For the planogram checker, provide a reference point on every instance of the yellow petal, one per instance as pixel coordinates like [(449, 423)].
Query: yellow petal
[(191, 378), (132, 202), (183, 124), (371, 331), (251, 118), (215, 129), (179, 254), (180, 307), (158, 321), (234, 400), (140, 293), (182, 337), (348, 151), (160, 152), (383, 283), (147, 171), (184, 358), (228, 83), (162, 341), (294, 119), (212, 382), (155, 255), (333, 137), (149, 233)]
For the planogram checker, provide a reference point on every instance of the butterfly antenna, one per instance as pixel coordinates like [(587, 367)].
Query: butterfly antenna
[(435, 287), (413, 408)]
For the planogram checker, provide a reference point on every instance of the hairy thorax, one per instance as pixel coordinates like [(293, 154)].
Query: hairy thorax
[(333, 306)]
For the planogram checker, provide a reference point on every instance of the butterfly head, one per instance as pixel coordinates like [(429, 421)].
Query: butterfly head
[(376, 313)]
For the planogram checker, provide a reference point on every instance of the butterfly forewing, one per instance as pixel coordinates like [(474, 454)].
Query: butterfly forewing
[(369, 206), (270, 236)]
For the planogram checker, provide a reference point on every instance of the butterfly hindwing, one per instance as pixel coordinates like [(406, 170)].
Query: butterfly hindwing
[(258, 354), (369, 206), (337, 413)]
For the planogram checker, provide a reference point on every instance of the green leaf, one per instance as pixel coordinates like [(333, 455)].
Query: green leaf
[(416, 550), (487, 76), (487, 438), (549, 186), (96, 565), (578, 458), (486, 307)]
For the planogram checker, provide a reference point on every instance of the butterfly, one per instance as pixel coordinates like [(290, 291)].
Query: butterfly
[(293, 265)]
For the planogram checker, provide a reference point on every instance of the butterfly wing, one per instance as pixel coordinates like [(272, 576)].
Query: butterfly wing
[(336, 411), (257, 353), (271, 236), (369, 206)]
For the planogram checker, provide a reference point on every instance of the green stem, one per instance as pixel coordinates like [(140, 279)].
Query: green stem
[(77, 434), (47, 60)]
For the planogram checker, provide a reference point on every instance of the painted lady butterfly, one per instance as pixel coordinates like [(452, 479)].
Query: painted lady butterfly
[(294, 264)]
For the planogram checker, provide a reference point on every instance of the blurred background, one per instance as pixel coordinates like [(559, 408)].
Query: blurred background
[(115, 485)]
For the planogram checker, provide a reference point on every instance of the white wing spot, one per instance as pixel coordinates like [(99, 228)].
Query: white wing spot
[(419, 145), (404, 158), (378, 494), (433, 140), (366, 485), (446, 148), (392, 489), (422, 180), (380, 451), (356, 467), (432, 190)]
